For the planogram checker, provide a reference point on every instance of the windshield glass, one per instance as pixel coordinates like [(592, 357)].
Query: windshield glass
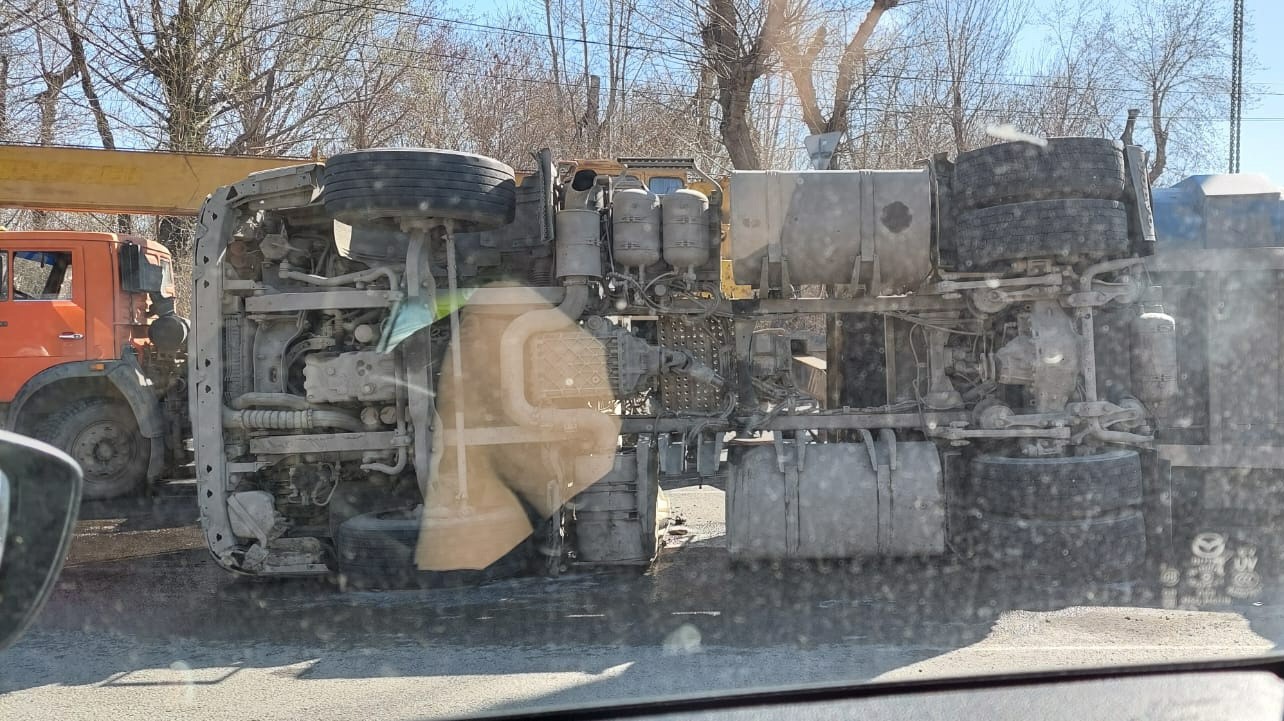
[(597, 350)]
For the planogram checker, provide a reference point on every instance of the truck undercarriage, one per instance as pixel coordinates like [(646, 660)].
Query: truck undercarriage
[(406, 358)]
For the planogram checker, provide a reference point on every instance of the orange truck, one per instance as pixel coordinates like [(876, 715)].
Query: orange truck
[(92, 350), (93, 353)]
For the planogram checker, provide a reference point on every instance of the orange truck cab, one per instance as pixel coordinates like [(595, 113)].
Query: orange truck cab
[(92, 353)]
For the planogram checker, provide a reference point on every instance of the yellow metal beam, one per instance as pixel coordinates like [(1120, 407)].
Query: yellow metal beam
[(116, 181)]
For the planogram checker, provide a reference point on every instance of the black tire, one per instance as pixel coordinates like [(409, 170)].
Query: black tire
[(102, 436), (1062, 229), (367, 185), (1020, 172), (1077, 487), (1106, 548), (377, 550)]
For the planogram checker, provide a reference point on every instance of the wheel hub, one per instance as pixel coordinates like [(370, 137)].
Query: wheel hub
[(103, 449)]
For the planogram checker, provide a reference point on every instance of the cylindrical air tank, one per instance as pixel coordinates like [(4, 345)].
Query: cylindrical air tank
[(1154, 360), (685, 228), (579, 249), (635, 224)]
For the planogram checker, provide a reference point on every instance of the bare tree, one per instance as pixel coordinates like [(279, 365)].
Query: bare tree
[(971, 61), (800, 61), (554, 16), (739, 40), (79, 59), (507, 106), (230, 75), (4, 93), (1075, 89), (54, 77), (285, 82), (1178, 52)]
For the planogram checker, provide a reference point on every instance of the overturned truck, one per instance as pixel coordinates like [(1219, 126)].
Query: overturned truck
[(407, 358)]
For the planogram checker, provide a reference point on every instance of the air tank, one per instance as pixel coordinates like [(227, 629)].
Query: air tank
[(635, 225), (579, 248), (1154, 360), (685, 228)]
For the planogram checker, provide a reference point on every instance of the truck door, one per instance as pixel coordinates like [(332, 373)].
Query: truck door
[(42, 313)]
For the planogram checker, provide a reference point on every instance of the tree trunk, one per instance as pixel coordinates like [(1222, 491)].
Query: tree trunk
[(956, 118), (590, 122), (734, 128), (4, 96), (1160, 134), (801, 62), (736, 68), (47, 102), (554, 56), (124, 223)]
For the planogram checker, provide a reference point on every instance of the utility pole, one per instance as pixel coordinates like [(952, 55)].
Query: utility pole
[(1237, 84)]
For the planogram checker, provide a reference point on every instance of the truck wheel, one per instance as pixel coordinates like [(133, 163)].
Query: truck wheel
[(367, 185), (377, 550), (1019, 172), (1106, 548), (102, 435), (1065, 229), (1055, 488)]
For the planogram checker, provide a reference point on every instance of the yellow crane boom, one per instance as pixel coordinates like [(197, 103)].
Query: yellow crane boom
[(119, 181)]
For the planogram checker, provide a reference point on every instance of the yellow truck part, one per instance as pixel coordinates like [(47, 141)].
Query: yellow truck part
[(120, 181)]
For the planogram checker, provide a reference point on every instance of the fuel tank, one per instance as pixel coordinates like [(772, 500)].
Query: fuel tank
[(840, 503), (828, 226)]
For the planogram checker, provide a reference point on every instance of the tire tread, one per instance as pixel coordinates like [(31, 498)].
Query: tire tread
[(1068, 167)]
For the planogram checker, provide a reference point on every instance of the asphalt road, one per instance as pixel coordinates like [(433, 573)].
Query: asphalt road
[(143, 626)]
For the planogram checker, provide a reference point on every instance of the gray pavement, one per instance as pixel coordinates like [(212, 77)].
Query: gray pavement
[(143, 626)]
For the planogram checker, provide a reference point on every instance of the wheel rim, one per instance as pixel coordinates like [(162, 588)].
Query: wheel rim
[(104, 450)]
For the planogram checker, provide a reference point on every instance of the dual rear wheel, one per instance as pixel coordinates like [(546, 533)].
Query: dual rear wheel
[(1075, 517), (1064, 201)]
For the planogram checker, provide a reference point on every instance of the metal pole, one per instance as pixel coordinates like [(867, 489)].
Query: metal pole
[(457, 366), (1237, 84)]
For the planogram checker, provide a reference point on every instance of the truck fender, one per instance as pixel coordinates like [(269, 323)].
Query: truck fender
[(127, 378)]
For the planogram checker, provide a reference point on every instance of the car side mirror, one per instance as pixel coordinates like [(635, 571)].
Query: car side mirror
[(39, 503)]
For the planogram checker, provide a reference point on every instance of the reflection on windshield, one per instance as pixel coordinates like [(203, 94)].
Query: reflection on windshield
[(624, 350)]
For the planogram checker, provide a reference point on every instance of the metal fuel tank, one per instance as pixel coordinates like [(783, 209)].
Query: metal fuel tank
[(871, 227), (841, 502)]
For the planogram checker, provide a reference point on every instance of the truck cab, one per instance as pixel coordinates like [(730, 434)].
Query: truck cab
[(91, 348)]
